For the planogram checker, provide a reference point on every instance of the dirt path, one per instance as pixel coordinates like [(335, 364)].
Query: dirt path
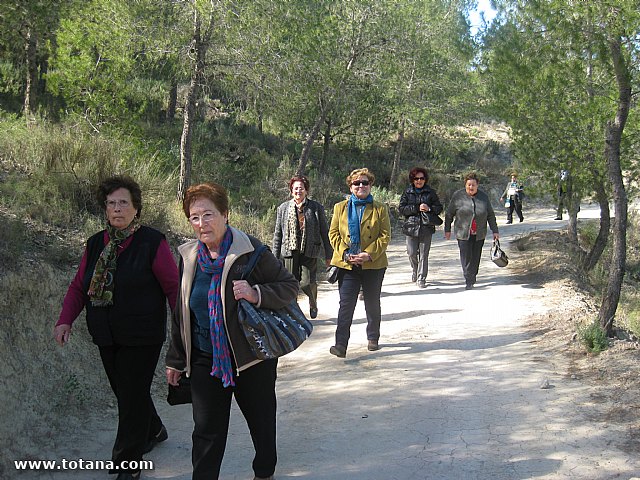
[(454, 393)]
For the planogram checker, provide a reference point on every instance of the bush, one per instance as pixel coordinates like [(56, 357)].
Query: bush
[(593, 337)]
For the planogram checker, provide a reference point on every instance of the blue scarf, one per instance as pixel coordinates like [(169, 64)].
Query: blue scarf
[(221, 355), (354, 219)]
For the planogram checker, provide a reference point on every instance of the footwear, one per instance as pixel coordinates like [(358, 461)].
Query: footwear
[(373, 346), (128, 476), (522, 220), (414, 277), (270, 477), (339, 351), (558, 218), (509, 222), (468, 286), (161, 436), (422, 284), (313, 312)]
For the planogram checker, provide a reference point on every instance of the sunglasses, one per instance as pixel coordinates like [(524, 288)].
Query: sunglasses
[(418, 178), (358, 183)]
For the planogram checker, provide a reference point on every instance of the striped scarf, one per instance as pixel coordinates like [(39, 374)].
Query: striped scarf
[(221, 354)]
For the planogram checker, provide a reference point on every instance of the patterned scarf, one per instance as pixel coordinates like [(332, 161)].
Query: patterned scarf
[(102, 282), (221, 355), (354, 218), (296, 233)]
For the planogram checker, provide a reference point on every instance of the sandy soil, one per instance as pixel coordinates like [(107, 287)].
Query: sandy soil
[(481, 384)]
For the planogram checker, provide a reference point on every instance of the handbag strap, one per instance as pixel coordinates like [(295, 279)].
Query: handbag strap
[(251, 264)]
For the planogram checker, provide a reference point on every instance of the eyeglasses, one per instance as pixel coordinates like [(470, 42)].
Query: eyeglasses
[(357, 183), (419, 179), (117, 203), (202, 219)]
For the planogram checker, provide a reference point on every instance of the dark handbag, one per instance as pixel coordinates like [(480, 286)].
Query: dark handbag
[(332, 274), (498, 256), (430, 218), (182, 393), (411, 226), (271, 333)]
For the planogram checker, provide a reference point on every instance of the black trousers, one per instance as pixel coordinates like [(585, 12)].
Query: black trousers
[(470, 253), (130, 371), (349, 284), (305, 269), (514, 204), (256, 396)]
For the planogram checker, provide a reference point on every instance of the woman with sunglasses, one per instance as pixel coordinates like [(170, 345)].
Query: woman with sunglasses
[(125, 277), (420, 206), (207, 341), (359, 234)]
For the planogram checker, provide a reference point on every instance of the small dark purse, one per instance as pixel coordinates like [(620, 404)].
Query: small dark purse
[(411, 226), (498, 256), (271, 333), (182, 393)]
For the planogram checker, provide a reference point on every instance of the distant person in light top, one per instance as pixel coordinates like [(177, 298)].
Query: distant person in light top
[(513, 194), (125, 277), (360, 232), (301, 237), (564, 192), (418, 199), (207, 341), (471, 210)]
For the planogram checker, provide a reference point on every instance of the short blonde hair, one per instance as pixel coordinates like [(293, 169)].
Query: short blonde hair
[(358, 172)]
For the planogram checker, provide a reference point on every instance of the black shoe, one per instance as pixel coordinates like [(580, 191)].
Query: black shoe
[(161, 436), (372, 346), (422, 284), (414, 277), (313, 312), (558, 218), (509, 222), (522, 220), (128, 476), (468, 286), (339, 351)]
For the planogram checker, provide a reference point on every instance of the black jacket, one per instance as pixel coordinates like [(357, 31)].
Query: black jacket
[(411, 199)]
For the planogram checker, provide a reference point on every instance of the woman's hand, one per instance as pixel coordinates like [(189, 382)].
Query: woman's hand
[(496, 236), (447, 235), (173, 376), (61, 333), (242, 289), (424, 207), (359, 258)]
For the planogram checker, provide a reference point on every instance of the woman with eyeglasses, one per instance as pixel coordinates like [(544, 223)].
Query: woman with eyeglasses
[(421, 208), (359, 234), (125, 277), (301, 237), (207, 342), (472, 210)]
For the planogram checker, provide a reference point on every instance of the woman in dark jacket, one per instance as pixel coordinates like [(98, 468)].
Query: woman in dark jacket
[(124, 279), (472, 210), (207, 341), (415, 202), (301, 237)]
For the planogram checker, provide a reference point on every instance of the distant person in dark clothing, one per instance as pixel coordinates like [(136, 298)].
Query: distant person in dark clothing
[(415, 203), (125, 277), (513, 194)]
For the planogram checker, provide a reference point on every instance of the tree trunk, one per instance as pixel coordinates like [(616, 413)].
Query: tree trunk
[(31, 81), (308, 145), (173, 102), (592, 257), (396, 155), (613, 138), (198, 50), (325, 146)]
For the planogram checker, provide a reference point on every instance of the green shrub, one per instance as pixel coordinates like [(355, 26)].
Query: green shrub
[(593, 337)]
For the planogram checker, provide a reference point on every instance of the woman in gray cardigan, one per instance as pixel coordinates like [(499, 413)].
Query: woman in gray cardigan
[(472, 211), (301, 237)]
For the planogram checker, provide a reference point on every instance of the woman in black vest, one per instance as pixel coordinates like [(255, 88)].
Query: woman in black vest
[(415, 203), (125, 277)]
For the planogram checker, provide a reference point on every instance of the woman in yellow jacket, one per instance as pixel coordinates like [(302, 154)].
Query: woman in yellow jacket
[(359, 234)]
